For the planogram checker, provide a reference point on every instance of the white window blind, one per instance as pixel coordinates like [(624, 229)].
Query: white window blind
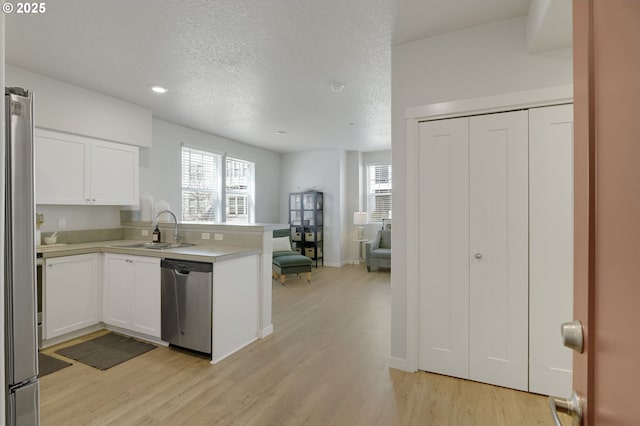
[(379, 192), (201, 172), (239, 190)]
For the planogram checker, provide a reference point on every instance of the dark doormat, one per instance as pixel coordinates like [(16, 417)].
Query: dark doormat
[(106, 351), (48, 364)]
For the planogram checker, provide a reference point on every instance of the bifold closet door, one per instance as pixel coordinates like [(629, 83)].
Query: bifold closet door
[(498, 255), (444, 247), (551, 247)]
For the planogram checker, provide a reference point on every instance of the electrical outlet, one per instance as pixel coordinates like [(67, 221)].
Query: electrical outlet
[(62, 223), (145, 232), (218, 237), (205, 236)]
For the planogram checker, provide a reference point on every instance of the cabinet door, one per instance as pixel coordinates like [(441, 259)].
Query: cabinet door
[(72, 296), (444, 247), (551, 247), (498, 241), (61, 169), (145, 313), (117, 289), (114, 174)]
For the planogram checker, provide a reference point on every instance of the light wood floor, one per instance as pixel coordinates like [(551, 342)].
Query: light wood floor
[(326, 364)]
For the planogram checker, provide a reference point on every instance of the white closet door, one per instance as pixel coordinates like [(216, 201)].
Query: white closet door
[(444, 245), (498, 323), (551, 247)]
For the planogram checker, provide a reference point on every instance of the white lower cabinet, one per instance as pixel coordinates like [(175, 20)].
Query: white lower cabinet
[(71, 294), (131, 293)]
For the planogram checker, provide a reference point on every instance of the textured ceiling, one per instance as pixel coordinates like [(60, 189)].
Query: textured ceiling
[(244, 69)]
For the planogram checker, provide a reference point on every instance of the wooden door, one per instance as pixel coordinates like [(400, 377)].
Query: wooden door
[(444, 247), (607, 207), (550, 247), (499, 252)]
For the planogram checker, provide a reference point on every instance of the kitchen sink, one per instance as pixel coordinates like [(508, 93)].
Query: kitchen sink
[(155, 246)]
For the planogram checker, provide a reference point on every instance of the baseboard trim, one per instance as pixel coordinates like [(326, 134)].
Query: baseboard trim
[(266, 331), (233, 351), (400, 364)]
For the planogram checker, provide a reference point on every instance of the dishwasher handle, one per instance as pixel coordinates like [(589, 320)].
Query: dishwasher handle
[(185, 267)]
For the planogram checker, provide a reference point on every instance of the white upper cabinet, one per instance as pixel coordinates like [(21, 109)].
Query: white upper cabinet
[(73, 169)]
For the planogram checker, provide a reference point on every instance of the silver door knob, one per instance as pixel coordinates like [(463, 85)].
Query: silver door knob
[(572, 336), (478, 255), (571, 406)]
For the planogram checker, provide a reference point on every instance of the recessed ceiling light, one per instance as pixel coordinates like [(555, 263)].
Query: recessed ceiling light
[(159, 89), (280, 132), (336, 87)]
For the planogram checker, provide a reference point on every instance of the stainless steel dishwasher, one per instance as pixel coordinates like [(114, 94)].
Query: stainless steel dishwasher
[(186, 304)]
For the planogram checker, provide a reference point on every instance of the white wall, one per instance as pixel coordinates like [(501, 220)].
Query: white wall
[(353, 201), (160, 167), (476, 62), (72, 109), (320, 171), (79, 217)]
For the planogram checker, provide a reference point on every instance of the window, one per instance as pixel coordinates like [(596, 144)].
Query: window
[(203, 176), (201, 172), (379, 192), (239, 190)]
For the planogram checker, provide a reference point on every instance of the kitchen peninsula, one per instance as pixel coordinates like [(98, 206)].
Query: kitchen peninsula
[(115, 284)]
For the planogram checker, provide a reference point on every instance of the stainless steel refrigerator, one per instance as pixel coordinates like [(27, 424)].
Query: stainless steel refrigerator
[(21, 340)]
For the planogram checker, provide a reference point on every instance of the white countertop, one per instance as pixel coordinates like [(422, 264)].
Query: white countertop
[(203, 253)]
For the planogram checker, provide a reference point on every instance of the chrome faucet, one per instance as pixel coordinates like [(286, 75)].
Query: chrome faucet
[(160, 213)]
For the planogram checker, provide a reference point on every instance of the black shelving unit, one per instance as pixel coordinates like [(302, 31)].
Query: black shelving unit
[(306, 220)]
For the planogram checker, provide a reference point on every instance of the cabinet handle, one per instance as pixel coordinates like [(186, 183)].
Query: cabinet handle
[(478, 256), (129, 261), (93, 199)]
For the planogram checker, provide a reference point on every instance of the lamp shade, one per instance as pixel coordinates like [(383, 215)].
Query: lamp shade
[(360, 218)]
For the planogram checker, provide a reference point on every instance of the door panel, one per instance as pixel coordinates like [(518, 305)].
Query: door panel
[(498, 287), (114, 174), (118, 288), (61, 170), (607, 200), (444, 241), (550, 247), (146, 296)]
